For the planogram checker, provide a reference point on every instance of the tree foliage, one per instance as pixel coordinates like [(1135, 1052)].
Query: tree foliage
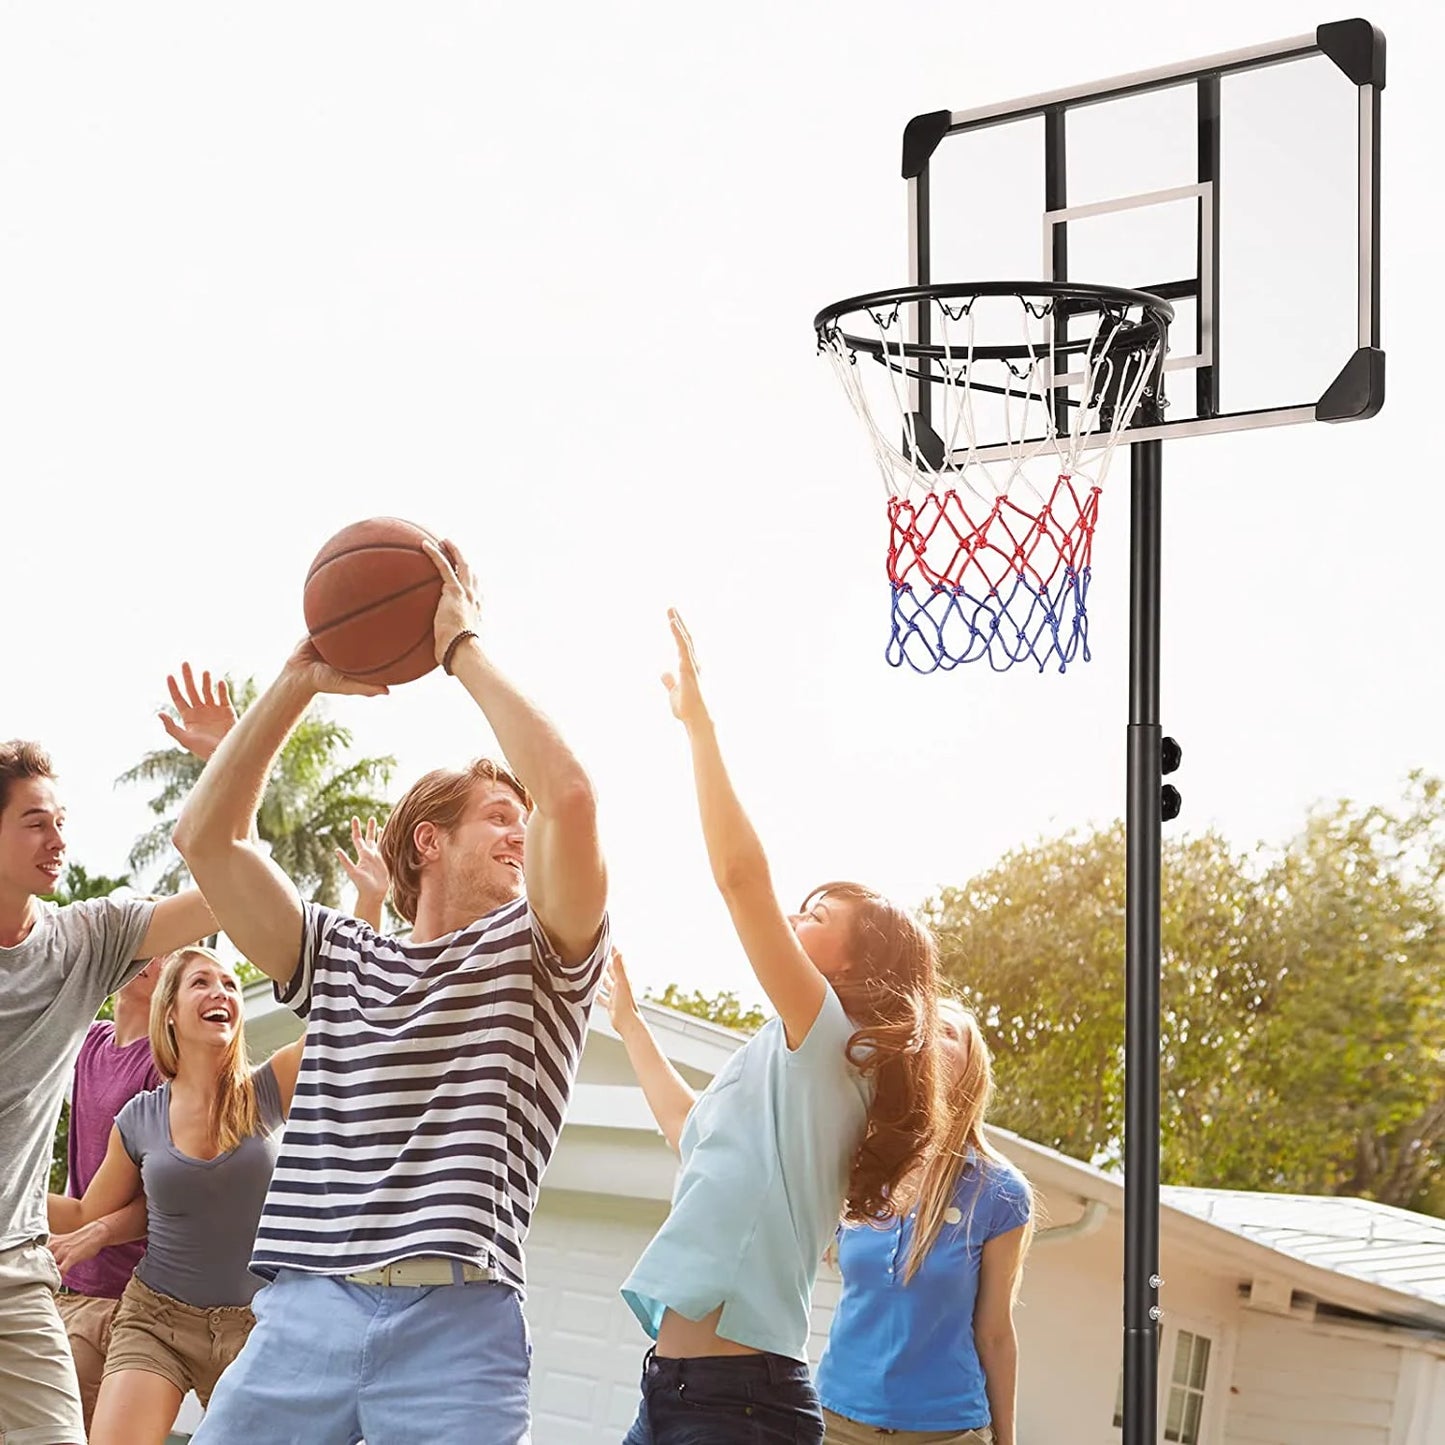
[(306, 810), (719, 1008), (1302, 1023)]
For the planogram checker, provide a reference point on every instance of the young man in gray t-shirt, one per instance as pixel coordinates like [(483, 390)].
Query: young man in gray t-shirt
[(57, 965)]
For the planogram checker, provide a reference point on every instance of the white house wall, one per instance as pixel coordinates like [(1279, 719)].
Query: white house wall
[(1297, 1385), (587, 1347), (1420, 1412)]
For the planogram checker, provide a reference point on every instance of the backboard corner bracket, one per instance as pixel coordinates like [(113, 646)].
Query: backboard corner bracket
[(920, 139), (1357, 47), (1358, 392)]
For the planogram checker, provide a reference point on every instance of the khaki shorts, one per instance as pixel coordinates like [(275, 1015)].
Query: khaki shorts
[(39, 1398), (87, 1319), (839, 1430), (181, 1343)]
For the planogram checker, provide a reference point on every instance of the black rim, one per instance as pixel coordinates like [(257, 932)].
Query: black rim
[(1077, 300)]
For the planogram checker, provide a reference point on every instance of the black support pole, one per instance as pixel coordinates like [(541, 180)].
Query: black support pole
[(1141, 959)]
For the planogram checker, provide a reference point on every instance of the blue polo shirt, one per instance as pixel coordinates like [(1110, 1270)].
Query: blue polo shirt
[(902, 1357), (766, 1155)]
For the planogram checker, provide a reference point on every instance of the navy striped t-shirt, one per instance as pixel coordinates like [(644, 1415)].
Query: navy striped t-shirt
[(431, 1094)]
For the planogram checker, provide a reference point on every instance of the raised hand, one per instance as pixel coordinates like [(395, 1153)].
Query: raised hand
[(615, 995), (368, 869), (459, 609), (684, 694), (206, 716), (305, 663)]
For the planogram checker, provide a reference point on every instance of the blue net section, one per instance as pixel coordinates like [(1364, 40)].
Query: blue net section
[(991, 582)]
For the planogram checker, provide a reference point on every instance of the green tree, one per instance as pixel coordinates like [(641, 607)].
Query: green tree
[(1302, 1031), (719, 1008), (77, 884), (1349, 1057), (306, 810)]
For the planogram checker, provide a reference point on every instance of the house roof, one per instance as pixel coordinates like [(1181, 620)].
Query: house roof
[(1368, 1241)]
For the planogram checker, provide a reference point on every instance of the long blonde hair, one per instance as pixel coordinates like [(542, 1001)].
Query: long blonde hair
[(966, 1096), (235, 1114)]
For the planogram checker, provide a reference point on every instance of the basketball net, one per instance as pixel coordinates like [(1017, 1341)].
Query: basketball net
[(994, 439)]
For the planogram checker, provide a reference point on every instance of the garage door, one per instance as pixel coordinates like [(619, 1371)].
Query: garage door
[(586, 1346)]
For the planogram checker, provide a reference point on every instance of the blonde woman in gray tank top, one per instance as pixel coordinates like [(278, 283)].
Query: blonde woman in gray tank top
[(201, 1148)]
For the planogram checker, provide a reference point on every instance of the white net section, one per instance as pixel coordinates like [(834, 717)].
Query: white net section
[(993, 420)]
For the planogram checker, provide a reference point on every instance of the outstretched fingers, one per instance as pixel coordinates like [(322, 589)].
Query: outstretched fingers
[(686, 652), (177, 701)]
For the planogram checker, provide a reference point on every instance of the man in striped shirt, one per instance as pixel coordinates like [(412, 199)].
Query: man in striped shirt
[(436, 1074)]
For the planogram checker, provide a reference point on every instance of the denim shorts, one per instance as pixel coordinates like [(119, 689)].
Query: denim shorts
[(727, 1400), (329, 1362)]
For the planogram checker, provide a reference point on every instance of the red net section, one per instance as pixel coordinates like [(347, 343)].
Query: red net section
[(974, 579)]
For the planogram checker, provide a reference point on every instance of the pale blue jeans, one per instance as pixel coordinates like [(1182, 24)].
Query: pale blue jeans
[(331, 1363)]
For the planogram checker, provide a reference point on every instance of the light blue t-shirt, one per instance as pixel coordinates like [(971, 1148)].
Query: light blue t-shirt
[(902, 1357), (766, 1154)]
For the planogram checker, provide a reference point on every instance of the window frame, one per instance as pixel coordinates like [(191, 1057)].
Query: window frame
[(1219, 1372)]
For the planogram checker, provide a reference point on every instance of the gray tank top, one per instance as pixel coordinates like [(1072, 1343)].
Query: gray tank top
[(202, 1212)]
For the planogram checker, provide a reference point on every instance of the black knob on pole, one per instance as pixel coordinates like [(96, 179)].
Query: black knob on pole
[(1169, 802), (1170, 756)]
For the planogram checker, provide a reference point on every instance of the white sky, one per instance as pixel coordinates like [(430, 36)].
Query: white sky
[(541, 278)]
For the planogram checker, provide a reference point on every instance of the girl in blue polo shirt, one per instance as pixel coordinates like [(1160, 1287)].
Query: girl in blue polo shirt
[(819, 1115), (922, 1346)]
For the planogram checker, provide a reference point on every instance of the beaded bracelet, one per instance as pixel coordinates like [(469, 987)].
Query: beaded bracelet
[(452, 646)]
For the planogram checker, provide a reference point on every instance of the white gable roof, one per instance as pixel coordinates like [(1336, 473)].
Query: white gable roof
[(684, 1038), (1368, 1241)]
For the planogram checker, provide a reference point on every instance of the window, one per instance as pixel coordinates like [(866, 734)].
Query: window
[(1185, 1403), (1184, 1398)]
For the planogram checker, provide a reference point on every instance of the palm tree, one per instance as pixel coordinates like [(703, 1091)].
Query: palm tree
[(306, 810)]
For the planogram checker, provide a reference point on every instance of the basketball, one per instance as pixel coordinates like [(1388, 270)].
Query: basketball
[(370, 600)]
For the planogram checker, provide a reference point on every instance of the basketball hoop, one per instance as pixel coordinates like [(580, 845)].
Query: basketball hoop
[(993, 411)]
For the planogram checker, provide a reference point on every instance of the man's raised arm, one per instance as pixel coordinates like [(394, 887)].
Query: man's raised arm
[(253, 900), (566, 874)]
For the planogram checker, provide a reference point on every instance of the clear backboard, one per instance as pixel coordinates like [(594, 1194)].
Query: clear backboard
[(1242, 188)]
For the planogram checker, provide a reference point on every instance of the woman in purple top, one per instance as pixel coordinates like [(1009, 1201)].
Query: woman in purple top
[(922, 1345), (201, 1149), (114, 1066)]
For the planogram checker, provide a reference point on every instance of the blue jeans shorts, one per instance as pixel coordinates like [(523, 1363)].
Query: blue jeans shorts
[(727, 1400), (330, 1362)]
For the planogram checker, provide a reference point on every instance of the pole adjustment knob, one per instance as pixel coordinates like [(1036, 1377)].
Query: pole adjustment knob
[(1169, 802)]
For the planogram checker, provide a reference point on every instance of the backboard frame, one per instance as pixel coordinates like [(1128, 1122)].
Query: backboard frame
[(1357, 50)]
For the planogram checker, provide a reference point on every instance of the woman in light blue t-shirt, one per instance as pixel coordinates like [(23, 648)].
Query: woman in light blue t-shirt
[(922, 1345), (819, 1115)]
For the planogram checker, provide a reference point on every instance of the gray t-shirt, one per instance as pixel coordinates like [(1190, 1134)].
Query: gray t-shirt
[(51, 984), (201, 1213)]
